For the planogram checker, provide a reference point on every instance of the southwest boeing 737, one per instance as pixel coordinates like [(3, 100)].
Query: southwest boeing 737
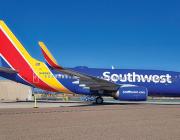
[(121, 84)]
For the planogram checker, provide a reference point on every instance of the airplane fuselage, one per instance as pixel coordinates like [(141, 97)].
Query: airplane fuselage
[(158, 83)]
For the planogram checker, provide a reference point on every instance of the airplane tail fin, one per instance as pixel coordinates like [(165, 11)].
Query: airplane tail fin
[(12, 52), (19, 61), (48, 56)]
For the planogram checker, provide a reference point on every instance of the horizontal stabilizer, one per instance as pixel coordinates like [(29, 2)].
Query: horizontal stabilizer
[(7, 70), (48, 56)]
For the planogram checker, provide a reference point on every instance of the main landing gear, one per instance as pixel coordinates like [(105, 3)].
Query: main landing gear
[(99, 100), (96, 99)]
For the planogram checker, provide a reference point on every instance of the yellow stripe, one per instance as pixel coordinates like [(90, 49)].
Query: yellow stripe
[(48, 53), (38, 70)]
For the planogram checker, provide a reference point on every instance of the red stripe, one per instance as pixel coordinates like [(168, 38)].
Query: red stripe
[(18, 62)]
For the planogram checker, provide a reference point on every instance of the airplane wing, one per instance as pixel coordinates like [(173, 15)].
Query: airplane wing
[(7, 70), (48, 56), (92, 82)]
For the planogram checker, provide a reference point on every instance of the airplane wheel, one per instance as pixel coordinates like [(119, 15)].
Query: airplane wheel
[(99, 100)]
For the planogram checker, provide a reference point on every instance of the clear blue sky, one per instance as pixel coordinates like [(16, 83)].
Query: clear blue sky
[(142, 34)]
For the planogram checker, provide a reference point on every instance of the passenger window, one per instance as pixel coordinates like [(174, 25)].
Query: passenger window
[(66, 76)]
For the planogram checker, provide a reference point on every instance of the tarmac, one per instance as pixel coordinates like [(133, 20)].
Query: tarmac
[(40, 104), (85, 121)]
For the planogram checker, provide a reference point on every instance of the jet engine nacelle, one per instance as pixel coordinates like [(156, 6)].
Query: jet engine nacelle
[(132, 93)]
